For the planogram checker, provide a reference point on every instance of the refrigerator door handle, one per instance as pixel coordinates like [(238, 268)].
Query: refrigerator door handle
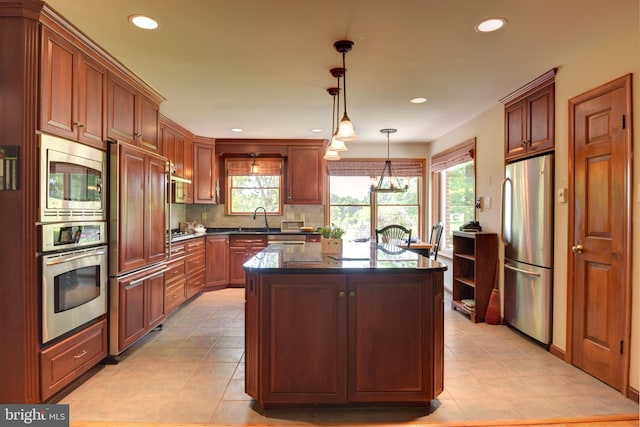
[(519, 270), (502, 213)]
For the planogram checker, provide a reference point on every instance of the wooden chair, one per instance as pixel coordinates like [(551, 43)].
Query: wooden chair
[(434, 239), (393, 235)]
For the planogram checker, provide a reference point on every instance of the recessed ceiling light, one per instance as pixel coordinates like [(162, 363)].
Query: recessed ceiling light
[(143, 22), (316, 130), (492, 24), (236, 130), (419, 100)]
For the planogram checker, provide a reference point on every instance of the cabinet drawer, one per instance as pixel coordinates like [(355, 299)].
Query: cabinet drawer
[(174, 296), (178, 249), (195, 263), (175, 272), (244, 241), (72, 357), (195, 284), (195, 245)]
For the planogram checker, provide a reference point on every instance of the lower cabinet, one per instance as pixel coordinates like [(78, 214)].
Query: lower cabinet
[(355, 338), (241, 248), (195, 266), (68, 359), (175, 285), (217, 253), (137, 306)]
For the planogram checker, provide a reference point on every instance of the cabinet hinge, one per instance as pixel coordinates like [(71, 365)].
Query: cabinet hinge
[(623, 122), (621, 346)]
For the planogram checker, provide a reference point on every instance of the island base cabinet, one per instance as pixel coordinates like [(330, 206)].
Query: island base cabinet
[(340, 339)]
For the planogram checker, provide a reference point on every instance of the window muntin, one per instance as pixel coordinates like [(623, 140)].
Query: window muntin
[(359, 212)]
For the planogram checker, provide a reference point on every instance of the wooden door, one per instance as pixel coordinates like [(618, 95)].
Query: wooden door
[(155, 201), (305, 338), (305, 180), (122, 104), (92, 92), (147, 128), (155, 300), (515, 122), (132, 320), (387, 318), (600, 232), (204, 173), (237, 257), (217, 264), (132, 220), (541, 114), (57, 86)]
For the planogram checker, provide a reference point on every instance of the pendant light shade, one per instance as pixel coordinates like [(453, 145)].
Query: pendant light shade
[(346, 131), (331, 155), (255, 169), (388, 182)]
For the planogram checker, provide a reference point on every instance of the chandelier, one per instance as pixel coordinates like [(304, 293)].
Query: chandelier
[(388, 182)]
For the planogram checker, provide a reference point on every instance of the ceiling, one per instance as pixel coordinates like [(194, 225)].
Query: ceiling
[(263, 65)]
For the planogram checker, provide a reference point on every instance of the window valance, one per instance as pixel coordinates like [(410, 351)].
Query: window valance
[(401, 168), (459, 154), (242, 167)]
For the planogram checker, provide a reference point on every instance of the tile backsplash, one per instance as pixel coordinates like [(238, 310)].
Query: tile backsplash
[(213, 216)]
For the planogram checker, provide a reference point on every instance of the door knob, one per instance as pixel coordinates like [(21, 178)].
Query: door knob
[(577, 249)]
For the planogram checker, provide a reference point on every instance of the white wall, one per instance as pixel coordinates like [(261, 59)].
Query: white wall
[(612, 58)]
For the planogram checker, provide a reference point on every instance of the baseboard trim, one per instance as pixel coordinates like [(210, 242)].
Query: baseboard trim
[(558, 352), (632, 394)]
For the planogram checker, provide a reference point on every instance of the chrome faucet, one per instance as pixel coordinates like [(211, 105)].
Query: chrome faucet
[(266, 224)]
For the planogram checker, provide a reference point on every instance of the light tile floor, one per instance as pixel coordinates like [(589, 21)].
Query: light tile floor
[(192, 371)]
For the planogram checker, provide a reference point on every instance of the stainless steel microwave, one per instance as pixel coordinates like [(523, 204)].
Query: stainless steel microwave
[(72, 177)]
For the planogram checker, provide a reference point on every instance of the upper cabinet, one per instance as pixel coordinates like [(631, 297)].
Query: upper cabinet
[(205, 180), (131, 116), (530, 118), (305, 179), (72, 91), (178, 148)]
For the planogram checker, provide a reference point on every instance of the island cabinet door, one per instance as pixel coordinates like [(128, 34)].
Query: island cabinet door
[(390, 338), (304, 338)]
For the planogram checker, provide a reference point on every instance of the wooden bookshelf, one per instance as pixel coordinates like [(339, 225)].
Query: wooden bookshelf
[(475, 256)]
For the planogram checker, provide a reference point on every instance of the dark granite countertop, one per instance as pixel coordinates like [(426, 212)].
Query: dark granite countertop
[(237, 231), (356, 257)]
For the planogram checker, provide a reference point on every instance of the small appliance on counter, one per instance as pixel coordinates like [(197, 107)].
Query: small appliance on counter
[(291, 225)]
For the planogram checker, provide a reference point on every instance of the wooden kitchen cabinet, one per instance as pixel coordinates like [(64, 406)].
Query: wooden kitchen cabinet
[(195, 266), (141, 214), (530, 119), (305, 178), (139, 306), (217, 253), (355, 354), (179, 151), (68, 359), (241, 248), (131, 116), (475, 256), (205, 180), (73, 87)]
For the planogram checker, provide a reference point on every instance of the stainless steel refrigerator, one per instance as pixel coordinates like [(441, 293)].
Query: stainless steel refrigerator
[(527, 232)]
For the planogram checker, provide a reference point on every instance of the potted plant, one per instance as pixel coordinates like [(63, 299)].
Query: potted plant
[(331, 239)]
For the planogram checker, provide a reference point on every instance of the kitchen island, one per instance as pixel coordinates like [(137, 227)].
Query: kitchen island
[(364, 327)]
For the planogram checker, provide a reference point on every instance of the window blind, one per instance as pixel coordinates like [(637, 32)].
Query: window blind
[(401, 168), (459, 154), (242, 167)]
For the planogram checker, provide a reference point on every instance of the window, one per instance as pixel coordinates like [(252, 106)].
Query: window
[(359, 212), (246, 190), (453, 188)]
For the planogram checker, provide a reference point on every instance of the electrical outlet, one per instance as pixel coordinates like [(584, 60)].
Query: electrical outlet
[(487, 202)]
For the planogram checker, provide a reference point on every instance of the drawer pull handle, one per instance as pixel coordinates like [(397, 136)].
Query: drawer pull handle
[(341, 294), (78, 356)]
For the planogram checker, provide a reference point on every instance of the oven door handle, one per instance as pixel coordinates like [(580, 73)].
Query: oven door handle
[(73, 258)]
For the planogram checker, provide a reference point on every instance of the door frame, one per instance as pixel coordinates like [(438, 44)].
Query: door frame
[(625, 83)]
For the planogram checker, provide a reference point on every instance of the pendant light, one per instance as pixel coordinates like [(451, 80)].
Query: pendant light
[(332, 152), (255, 169), (336, 144), (345, 129), (388, 183)]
